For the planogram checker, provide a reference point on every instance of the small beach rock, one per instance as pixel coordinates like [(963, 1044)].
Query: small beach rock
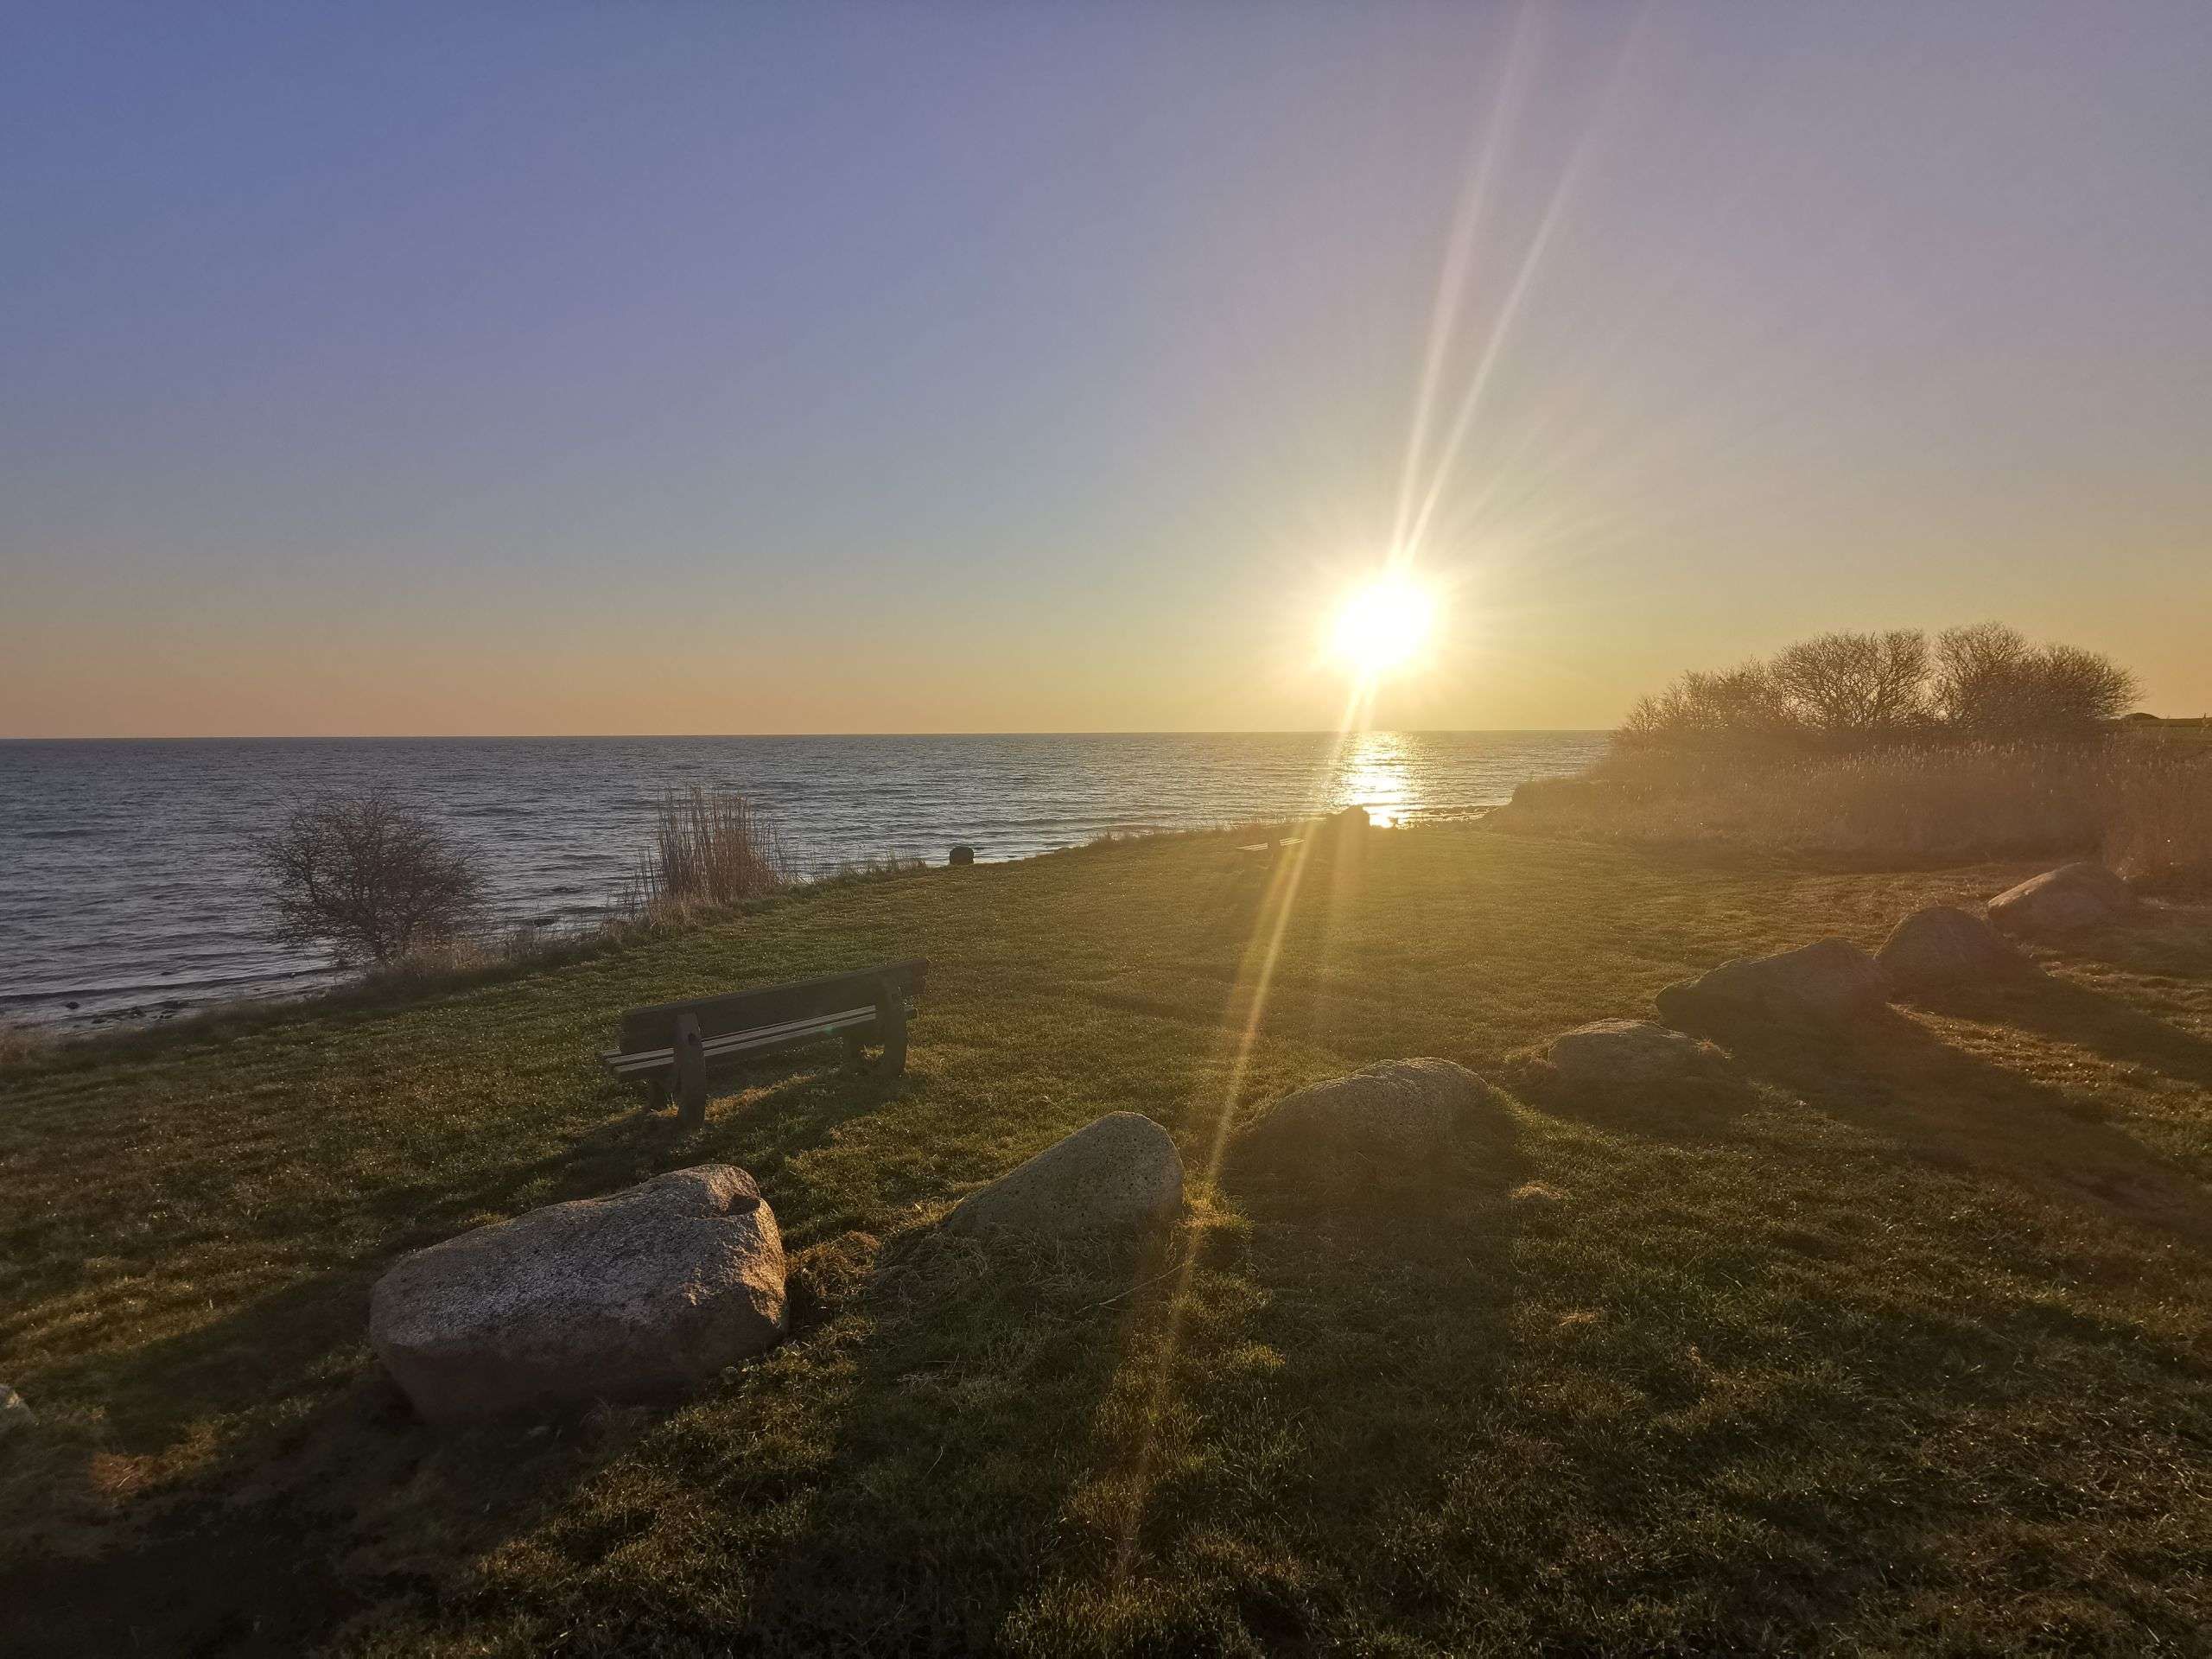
[(961, 854), (631, 1297), (1945, 946), (15, 1414), (1394, 1121), (1120, 1173), (1628, 1051), (1822, 984), (2063, 900)]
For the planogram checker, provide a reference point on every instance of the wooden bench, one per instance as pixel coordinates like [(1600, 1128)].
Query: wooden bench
[(675, 1043)]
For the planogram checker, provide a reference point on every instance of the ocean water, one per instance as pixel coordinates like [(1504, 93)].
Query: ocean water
[(126, 892)]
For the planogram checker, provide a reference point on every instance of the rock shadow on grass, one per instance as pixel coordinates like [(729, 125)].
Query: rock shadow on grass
[(1700, 1103), (2070, 1012), (1890, 1075), (995, 1373)]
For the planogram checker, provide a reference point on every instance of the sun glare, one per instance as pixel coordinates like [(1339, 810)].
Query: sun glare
[(1383, 626)]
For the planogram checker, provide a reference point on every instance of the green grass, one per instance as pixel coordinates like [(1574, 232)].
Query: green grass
[(1904, 1347)]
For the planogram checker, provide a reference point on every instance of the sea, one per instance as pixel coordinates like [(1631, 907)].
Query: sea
[(128, 892)]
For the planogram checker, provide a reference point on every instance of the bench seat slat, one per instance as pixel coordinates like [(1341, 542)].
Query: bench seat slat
[(648, 1028), (650, 1059)]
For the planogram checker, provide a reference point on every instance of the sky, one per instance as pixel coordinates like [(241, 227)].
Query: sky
[(669, 368)]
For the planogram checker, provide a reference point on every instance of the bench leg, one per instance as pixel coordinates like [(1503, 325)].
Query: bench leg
[(891, 1021), (691, 1073)]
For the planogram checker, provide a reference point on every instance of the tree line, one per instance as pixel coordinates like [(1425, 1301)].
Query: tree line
[(1985, 682)]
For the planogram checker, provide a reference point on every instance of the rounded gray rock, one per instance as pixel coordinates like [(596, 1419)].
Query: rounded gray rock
[(1823, 984), (1392, 1120), (635, 1296), (2063, 900), (1945, 946), (1627, 1051), (1120, 1173)]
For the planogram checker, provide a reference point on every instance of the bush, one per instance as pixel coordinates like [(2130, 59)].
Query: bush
[(710, 847), (1842, 692), (1992, 685), (363, 875)]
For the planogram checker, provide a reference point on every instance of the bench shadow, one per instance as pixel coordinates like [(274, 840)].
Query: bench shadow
[(1890, 1075)]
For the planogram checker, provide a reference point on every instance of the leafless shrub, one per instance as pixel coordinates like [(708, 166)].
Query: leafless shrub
[(710, 848), (363, 875), (1839, 692), (1857, 688), (1740, 708), (1992, 684)]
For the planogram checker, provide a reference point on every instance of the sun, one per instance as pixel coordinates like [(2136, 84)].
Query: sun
[(1383, 626)]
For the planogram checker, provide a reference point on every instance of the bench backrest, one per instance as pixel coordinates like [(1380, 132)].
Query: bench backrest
[(771, 1004)]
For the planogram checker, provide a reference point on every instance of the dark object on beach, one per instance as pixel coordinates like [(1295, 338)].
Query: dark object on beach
[(1352, 818), (963, 854), (2063, 900), (365, 876), (1945, 946), (1820, 984), (679, 1042)]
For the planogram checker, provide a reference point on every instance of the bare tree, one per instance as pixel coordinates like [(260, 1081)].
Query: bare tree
[(364, 875), (1990, 682), (1857, 688), (1984, 684)]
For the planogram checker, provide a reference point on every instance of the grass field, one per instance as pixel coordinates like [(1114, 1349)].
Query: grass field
[(1906, 1347)]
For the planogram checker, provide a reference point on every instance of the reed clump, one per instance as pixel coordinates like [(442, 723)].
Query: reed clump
[(711, 849), (2158, 815)]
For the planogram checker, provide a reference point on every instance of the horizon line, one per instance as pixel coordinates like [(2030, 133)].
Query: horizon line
[(666, 737)]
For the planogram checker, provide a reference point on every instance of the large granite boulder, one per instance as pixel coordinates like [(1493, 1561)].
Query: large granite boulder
[(1120, 1174), (1394, 1122), (631, 1297), (1819, 984), (2063, 900), (1607, 1051), (1944, 946)]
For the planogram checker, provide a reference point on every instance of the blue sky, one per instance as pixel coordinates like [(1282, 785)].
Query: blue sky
[(693, 368)]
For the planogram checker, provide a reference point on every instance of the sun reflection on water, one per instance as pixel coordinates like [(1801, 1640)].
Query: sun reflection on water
[(1373, 772)]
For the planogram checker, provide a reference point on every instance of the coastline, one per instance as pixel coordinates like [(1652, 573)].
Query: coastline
[(123, 885)]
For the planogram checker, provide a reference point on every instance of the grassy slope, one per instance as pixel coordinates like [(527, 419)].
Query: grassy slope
[(1908, 1349)]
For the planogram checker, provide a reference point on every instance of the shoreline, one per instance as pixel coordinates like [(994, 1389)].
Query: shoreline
[(338, 987)]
